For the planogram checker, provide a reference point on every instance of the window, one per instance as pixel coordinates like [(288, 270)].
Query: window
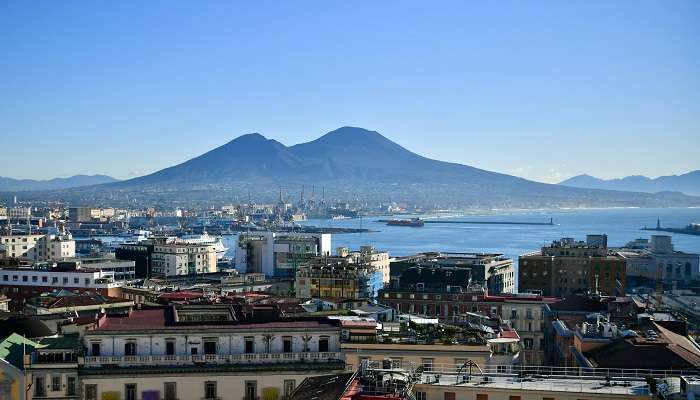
[(513, 397), (289, 386), (323, 344), (130, 348), (427, 364), (287, 344), (420, 395), (210, 347), (55, 383), (39, 387), (251, 390), (95, 349), (249, 345), (70, 386), (449, 396), (169, 391), (193, 351), (514, 314), (482, 397), (90, 392), (54, 280), (130, 391), (209, 390), (169, 347)]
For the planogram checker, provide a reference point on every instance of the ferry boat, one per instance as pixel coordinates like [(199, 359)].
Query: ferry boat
[(205, 238), (414, 222)]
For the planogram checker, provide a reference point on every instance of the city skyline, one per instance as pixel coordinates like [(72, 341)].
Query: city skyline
[(128, 89)]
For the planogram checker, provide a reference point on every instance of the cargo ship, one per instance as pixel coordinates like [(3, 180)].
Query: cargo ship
[(414, 222)]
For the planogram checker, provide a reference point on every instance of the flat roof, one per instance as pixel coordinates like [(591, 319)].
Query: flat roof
[(637, 387)]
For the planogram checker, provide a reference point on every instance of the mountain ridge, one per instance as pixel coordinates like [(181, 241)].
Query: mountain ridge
[(351, 164), (12, 184), (687, 183)]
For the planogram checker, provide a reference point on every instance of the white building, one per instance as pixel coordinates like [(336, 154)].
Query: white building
[(279, 254), (39, 247), (180, 258)]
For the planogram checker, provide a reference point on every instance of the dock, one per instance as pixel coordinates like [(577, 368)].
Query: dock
[(436, 221)]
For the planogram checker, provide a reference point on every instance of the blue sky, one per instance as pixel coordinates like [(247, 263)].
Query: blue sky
[(543, 90)]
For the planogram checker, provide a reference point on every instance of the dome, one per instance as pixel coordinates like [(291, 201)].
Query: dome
[(30, 328)]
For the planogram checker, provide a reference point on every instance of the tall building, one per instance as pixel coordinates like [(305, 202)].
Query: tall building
[(568, 266), (279, 254)]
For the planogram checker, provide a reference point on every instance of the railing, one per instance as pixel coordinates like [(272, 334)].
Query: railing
[(545, 371), (252, 358)]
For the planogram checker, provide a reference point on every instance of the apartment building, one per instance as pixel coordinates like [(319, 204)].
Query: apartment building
[(207, 352), (493, 271), (347, 275), (279, 254), (568, 266), (38, 247), (178, 258)]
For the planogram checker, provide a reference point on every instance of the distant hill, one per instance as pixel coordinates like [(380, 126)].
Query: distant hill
[(688, 183), (355, 163), (10, 184)]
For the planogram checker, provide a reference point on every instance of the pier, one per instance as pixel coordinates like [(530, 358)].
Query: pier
[(438, 221)]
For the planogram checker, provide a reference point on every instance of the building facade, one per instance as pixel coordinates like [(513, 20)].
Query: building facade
[(347, 275), (568, 266), (205, 353), (279, 254), (176, 258), (38, 247)]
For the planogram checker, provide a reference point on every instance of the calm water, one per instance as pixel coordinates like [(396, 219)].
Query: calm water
[(621, 226)]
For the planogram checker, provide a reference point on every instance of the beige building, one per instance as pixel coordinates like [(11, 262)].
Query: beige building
[(39, 247), (178, 258), (405, 355)]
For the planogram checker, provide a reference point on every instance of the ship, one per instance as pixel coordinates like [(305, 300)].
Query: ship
[(413, 222), (205, 238)]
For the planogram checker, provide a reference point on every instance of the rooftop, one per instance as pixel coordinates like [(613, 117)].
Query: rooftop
[(226, 317)]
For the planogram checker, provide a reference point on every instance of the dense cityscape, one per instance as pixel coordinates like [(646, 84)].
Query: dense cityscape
[(349, 200), (108, 303)]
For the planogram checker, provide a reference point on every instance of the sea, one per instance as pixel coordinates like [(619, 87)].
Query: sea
[(622, 225)]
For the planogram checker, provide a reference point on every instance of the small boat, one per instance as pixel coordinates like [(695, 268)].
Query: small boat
[(413, 222)]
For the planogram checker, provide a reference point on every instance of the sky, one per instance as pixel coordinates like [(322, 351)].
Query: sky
[(540, 89)]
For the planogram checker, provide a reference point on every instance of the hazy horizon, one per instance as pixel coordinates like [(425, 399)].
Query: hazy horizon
[(541, 90)]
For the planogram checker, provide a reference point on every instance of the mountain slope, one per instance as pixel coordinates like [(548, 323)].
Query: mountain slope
[(10, 184), (688, 183), (351, 164), (248, 156)]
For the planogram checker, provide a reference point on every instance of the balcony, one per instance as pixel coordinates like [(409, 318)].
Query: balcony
[(216, 359)]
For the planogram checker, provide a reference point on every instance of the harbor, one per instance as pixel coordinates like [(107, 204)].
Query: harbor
[(692, 229)]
